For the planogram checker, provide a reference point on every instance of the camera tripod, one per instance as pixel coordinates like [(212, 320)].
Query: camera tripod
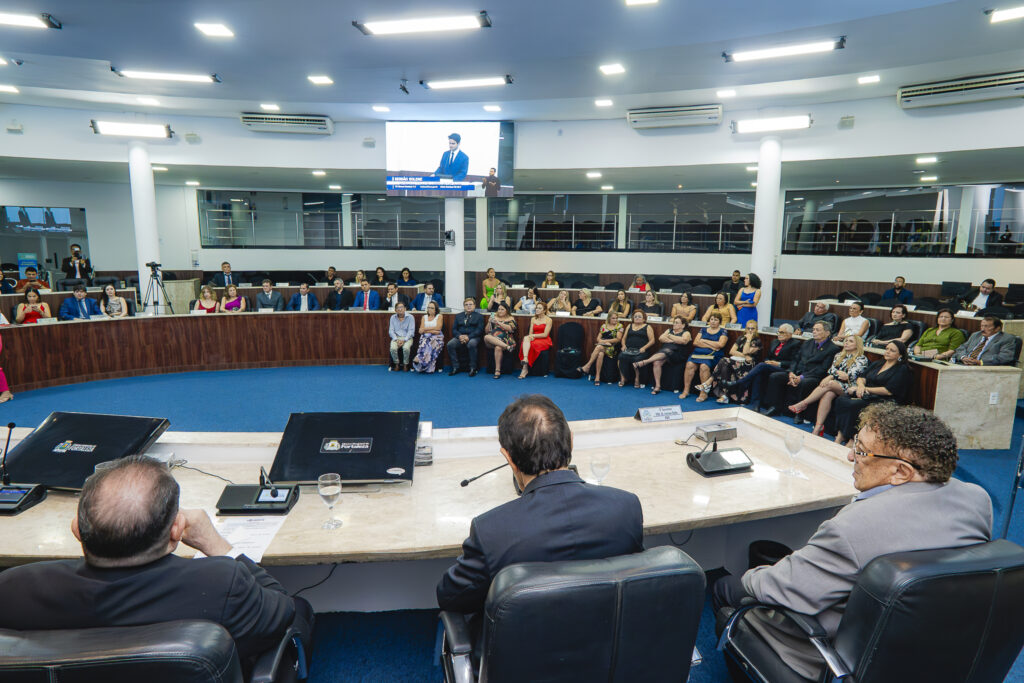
[(151, 293)]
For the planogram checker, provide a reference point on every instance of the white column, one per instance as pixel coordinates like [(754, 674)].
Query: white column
[(455, 255), (482, 227), (147, 240), (347, 238), (620, 242), (768, 206)]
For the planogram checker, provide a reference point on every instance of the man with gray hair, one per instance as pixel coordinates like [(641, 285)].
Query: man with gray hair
[(818, 312), (811, 365), (779, 355)]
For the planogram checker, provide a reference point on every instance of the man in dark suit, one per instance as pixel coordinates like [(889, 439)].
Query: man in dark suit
[(779, 358), (340, 299), (819, 312), (268, 298), (467, 331), (812, 363), (225, 277), (79, 306), (988, 346), (393, 298), (899, 291), (425, 297), (366, 299), (454, 162), (76, 266), (983, 296), (557, 517), (305, 300), (129, 525)]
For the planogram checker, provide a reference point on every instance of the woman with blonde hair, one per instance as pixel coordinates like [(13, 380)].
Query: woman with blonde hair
[(848, 365), (207, 300), (499, 296), (621, 306), (561, 303)]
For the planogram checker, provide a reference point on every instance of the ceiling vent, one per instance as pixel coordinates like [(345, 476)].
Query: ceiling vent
[(311, 124), (669, 117), (974, 89)]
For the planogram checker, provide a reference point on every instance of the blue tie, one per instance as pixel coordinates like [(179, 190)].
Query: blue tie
[(81, 305)]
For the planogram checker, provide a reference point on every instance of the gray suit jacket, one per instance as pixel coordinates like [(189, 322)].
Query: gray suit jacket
[(998, 352), (817, 579), (275, 301)]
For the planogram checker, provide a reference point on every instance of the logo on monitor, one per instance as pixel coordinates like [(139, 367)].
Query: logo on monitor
[(71, 446), (360, 445)]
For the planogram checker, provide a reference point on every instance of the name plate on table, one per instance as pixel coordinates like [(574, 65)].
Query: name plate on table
[(964, 314), (659, 414), (561, 314), (265, 310), (664, 291), (195, 312), (910, 307), (633, 289), (848, 302), (597, 288), (281, 284), (654, 318)]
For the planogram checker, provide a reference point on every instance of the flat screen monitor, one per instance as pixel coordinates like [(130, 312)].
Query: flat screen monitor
[(21, 219), (449, 158), (955, 288), (361, 447), (66, 447)]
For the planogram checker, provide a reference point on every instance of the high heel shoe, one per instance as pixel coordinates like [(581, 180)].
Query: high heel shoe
[(818, 430), (497, 374), (655, 391), (706, 386)]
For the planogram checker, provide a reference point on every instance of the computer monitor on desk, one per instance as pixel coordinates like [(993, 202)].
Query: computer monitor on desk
[(955, 288)]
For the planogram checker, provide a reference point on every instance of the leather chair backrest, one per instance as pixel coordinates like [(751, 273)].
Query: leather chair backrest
[(106, 280), (873, 325), (871, 298), (702, 289), (67, 284), (951, 614), (570, 335), (918, 326), (628, 618), (615, 286), (172, 652)]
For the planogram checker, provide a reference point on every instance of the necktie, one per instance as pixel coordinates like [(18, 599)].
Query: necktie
[(451, 158), (976, 351), (81, 307), (77, 272), (366, 301), (227, 279)]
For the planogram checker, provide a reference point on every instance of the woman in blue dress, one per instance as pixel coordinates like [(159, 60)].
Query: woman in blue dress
[(707, 350), (747, 298)]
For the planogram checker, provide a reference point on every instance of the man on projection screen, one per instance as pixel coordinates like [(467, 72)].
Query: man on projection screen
[(454, 163)]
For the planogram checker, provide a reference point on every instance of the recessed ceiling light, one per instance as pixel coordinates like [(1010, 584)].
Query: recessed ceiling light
[(603, 103), (786, 50), (381, 108), (679, 187), (320, 80), (150, 101), (798, 199), (725, 93), (3, 62), (772, 124), (319, 173), (29, 20), (467, 82), (334, 187), (928, 178), (215, 30), (491, 107), (135, 130), (632, 3), (611, 69), (424, 25), (270, 106), (865, 80), (606, 188), (8, 88), (163, 76), (752, 169), (593, 174), (1006, 14), (753, 184), (192, 182), (159, 169), (926, 160)]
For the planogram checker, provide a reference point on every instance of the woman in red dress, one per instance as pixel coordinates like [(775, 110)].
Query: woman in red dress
[(538, 340)]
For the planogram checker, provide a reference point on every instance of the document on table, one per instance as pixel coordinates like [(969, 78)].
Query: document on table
[(249, 535)]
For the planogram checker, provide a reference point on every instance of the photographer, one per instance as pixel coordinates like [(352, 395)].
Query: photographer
[(77, 266)]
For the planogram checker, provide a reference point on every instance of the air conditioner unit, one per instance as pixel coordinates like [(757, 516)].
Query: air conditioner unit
[(973, 89), (668, 117), (311, 124)]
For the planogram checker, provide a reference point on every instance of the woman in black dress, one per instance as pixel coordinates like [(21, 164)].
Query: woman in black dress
[(897, 328), (745, 353), (636, 343), (885, 379), (673, 343)]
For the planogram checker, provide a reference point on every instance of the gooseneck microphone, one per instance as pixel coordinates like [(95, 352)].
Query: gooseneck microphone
[(6, 478), (467, 482), (266, 483)]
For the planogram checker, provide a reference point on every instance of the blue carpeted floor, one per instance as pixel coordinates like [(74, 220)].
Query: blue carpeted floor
[(400, 646)]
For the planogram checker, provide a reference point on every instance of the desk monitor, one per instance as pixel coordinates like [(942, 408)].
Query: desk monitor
[(361, 447), (955, 288), (66, 447)]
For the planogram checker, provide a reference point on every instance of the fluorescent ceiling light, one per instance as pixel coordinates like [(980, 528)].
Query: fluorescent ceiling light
[(424, 25), (786, 50), (163, 76), (865, 80), (631, 3), (1006, 14), (29, 20), (334, 187), (381, 108), (270, 106), (135, 130), (752, 169), (606, 188), (467, 82), (798, 199), (611, 69), (193, 183), (928, 178), (603, 103), (725, 93), (237, 200), (593, 174), (151, 101), (319, 173), (491, 107), (926, 160), (8, 88), (773, 124), (159, 168), (320, 80), (215, 30)]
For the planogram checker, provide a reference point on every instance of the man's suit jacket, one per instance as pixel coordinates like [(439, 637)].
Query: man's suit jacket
[(71, 594), (994, 299), (813, 362), (421, 300), (817, 579), (457, 169), (905, 296), (786, 355), (339, 302), (295, 303), (70, 310), (218, 279), (274, 300), (85, 269), (998, 352), (807, 322), (558, 517), (470, 324), (386, 304), (372, 295)]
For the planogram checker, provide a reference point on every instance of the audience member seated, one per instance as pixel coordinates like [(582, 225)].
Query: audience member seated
[(380, 277), (527, 302), (557, 517), (5, 286), (855, 323), (745, 353), (32, 308), (651, 305), (267, 298), (359, 277), (499, 296), (304, 300), (734, 285), (129, 525), (406, 279), (225, 277), (979, 298), (231, 302), (560, 304), (78, 306), (207, 300), (112, 305), (621, 305), (780, 356), (401, 328), (896, 328), (939, 342), (609, 336), (431, 339), (393, 297), (487, 288), (367, 299), (501, 333), (684, 308), (725, 311), (467, 331), (331, 275), (639, 283), (538, 341), (636, 346), (903, 460), (32, 280), (747, 298), (899, 292), (340, 299), (988, 346), (812, 364), (888, 378), (819, 312), (673, 346), (586, 305), (549, 280), (848, 365), (707, 350), (76, 266), (425, 297)]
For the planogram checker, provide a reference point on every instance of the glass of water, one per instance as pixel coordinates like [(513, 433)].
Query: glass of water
[(600, 465), (329, 488), (794, 442)]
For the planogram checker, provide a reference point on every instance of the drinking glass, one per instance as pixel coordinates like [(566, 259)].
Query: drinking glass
[(794, 442), (329, 488), (600, 465)]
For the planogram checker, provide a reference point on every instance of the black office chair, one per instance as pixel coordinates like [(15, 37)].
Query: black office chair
[(569, 354), (1001, 312), (580, 284), (930, 615), (919, 327), (825, 296), (1014, 293), (681, 287), (1017, 344), (702, 289), (529, 283), (847, 295), (615, 286), (69, 283), (171, 652), (132, 309), (628, 618), (106, 280), (871, 298), (927, 303), (888, 302), (873, 326)]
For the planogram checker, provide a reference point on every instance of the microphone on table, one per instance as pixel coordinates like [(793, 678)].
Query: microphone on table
[(714, 448), (467, 482), (6, 478), (266, 483)]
